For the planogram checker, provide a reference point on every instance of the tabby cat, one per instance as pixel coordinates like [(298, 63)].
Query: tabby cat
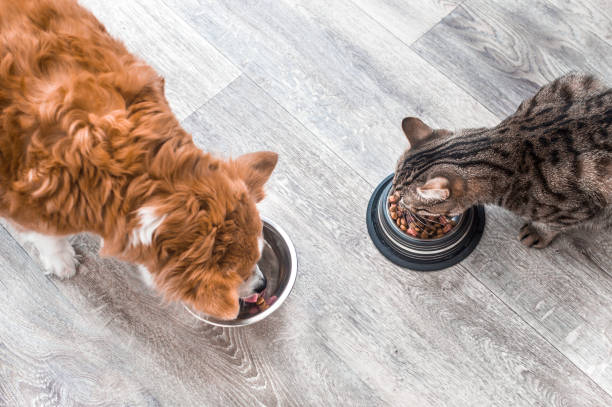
[(550, 162)]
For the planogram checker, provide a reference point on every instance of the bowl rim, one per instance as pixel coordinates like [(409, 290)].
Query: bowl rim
[(411, 260), (281, 298)]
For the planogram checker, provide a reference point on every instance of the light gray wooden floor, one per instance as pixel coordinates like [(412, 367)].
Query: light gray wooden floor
[(326, 84)]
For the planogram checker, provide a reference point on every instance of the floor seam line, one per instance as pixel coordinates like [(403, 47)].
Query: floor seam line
[(410, 46), (208, 100), (538, 333)]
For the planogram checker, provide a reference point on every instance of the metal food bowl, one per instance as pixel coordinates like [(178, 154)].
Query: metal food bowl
[(278, 263), (421, 254)]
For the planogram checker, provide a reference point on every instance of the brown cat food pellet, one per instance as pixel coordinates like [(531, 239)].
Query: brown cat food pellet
[(421, 227), (261, 303)]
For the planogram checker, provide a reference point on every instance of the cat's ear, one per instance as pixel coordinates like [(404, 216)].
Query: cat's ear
[(415, 130), (436, 189)]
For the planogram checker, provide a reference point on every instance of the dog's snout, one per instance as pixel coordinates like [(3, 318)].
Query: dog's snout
[(263, 283), (255, 284)]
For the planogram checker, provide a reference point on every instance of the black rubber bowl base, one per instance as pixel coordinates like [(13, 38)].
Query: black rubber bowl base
[(420, 262)]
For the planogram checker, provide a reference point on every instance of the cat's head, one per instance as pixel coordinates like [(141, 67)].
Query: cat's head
[(428, 183)]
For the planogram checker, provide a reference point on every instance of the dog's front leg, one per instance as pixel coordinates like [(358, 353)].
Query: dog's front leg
[(55, 252)]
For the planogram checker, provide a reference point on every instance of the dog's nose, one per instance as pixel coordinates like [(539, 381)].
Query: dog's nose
[(263, 283)]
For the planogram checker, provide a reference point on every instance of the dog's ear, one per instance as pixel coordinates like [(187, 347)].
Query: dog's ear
[(215, 297), (255, 169)]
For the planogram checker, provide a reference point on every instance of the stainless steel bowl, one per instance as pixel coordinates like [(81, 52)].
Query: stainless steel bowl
[(421, 254), (279, 264)]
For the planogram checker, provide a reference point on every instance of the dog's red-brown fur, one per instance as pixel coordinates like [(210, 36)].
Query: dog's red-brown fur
[(87, 139)]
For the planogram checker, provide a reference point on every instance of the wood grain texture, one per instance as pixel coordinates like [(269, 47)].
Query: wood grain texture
[(407, 20), (502, 52), (335, 69), (50, 352), (594, 15), (194, 70), (563, 292)]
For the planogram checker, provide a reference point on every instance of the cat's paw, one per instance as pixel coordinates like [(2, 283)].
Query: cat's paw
[(531, 236)]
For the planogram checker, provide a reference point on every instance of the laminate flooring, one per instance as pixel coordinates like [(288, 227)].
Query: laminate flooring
[(326, 84)]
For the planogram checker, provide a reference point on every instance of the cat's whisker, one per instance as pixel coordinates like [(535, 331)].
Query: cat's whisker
[(424, 221), (417, 219)]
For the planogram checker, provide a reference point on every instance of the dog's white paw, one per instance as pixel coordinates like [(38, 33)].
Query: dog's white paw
[(62, 263), (55, 253)]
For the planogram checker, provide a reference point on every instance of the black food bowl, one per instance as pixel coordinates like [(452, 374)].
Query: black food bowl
[(421, 254)]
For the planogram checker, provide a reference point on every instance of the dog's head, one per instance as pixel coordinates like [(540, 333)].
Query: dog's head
[(202, 242)]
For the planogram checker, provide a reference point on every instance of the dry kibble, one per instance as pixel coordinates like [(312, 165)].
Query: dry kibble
[(261, 303), (421, 227)]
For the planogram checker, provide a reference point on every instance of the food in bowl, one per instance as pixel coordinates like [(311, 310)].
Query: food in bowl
[(279, 264), (417, 226), (256, 304)]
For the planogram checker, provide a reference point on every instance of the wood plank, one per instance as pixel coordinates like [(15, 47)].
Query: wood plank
[(410, 19), (564, 295), (502, 52), (594, 12), (52, 353), (194, 70), (334, 68)]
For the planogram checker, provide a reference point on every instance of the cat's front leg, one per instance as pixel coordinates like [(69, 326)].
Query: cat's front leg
[(537, 235)]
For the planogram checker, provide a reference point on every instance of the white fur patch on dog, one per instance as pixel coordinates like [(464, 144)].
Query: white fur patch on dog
[(149, 222), (55, 252), (260, 242), (146, 276), (248, 287)]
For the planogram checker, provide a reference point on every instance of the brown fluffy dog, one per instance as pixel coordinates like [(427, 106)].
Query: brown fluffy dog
[(88, 143)]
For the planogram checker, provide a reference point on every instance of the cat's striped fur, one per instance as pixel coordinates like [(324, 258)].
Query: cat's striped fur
[(550, 162)]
